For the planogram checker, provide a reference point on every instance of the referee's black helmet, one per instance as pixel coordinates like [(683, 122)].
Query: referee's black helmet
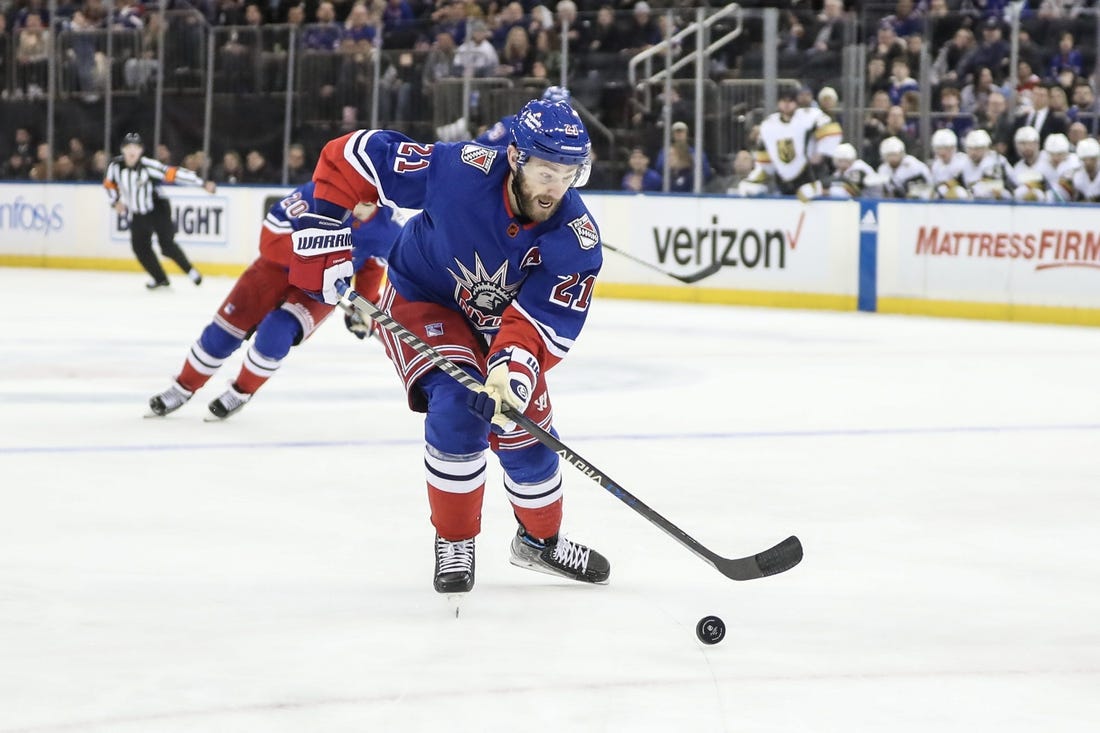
[(131, 138)]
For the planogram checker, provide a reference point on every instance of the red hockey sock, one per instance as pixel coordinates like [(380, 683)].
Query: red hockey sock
[(543, 523), (190, 379), (248, 381), (456, 516)]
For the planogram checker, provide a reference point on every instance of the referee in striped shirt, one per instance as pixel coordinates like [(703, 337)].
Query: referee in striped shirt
[(133, 185)]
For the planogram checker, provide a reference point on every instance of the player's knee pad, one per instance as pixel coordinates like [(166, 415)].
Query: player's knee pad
[(530, 465), (218, 342), (277, 332), (450, 427)]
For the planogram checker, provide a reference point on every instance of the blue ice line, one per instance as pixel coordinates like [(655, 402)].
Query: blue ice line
[(606, 437)]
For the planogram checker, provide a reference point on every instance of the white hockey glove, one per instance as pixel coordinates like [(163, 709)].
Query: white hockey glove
[(322, 256), (512, 375)]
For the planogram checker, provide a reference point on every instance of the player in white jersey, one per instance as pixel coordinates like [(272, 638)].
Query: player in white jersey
[(792, 140), (985, 172), (947, 163), (1032, 171), (905, 176), (1086, 180), (852, 177), (1062, 164)]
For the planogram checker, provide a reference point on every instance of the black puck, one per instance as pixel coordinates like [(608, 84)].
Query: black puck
[(710, 630)]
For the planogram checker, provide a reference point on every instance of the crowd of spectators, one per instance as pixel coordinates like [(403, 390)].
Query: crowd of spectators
[(968, 83)]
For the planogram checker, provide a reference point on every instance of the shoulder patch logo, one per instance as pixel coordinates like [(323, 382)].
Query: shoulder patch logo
[(479, 157), (585, 231)]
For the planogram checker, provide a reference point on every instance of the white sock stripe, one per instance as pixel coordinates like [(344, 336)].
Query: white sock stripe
[(260, 364), (534, 496), (228, 327), (455, 477), (202, 362)]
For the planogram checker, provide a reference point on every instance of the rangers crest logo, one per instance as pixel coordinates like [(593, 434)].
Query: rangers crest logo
[(572, 131), (479, 157), (585, 231)]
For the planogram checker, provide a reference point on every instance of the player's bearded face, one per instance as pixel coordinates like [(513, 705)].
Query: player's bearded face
[(540, 186)]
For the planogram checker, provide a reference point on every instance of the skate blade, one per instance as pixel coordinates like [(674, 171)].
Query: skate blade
[(455, 601), (540, 568), (215, 418)]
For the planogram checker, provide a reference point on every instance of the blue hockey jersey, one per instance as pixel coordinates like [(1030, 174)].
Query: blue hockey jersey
[(467, 249)]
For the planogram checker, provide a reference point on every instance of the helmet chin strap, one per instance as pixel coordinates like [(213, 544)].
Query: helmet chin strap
[(517, 193)]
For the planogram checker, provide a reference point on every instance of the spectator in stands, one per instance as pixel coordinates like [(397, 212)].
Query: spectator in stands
[(1067, 58), (731, 171), (681, 168), (31, 53), (886, 45), (604, 37), (975, 94), (78, 154), (256, 168), (23, 146), (41, 160), (942, 23), (354, 76), (901, 81), (97, 167), (1085, 108), (477, 54), (679, 144), (1059, 103), (440, 63), (950, 56), (992, 53), (450, 17), (231, 169), (877, 79), (996, 119), (509, 17), (240, 52), (640, 177), (398, 24), (518, 56), (641, 31), (298, 170), (163, 153), (16, 168), (826, 39), (566, 11), (951, 115), (899, 126), (64, 170), (906, 20), (325, 33), (400, 84), (1041, 116), (1026, 79), (1077, 133)]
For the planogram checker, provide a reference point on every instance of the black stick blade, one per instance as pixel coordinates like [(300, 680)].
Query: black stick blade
[(783, 556), (778, 559)]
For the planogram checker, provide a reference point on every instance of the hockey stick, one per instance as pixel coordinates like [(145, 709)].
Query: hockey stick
[(783, 556), (695, 277)]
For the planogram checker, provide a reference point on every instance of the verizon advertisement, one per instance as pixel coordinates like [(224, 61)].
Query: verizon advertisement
[(1021, 254), (732, 243)]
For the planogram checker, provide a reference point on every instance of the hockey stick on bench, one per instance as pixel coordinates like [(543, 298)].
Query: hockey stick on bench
[(695, 277), (783, 556)]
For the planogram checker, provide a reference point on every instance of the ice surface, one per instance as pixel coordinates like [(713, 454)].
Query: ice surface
[(273, 573)]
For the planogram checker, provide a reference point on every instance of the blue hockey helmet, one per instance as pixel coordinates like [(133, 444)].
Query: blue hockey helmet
[(556, 94), (552, 131)]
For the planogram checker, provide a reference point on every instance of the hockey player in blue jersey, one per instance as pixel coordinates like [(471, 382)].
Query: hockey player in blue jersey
[(264, 306), (496, 273), (500, 133)]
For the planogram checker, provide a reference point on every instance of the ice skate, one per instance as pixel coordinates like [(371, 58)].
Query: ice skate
[(168, 401), (454, 566), (195, 275), (152, 284), (559, 556), (229, 403)]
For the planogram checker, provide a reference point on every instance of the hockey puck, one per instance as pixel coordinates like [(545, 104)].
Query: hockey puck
[(710, 630)]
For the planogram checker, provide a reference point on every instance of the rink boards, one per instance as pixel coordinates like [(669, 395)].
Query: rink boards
[(999, 261)]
